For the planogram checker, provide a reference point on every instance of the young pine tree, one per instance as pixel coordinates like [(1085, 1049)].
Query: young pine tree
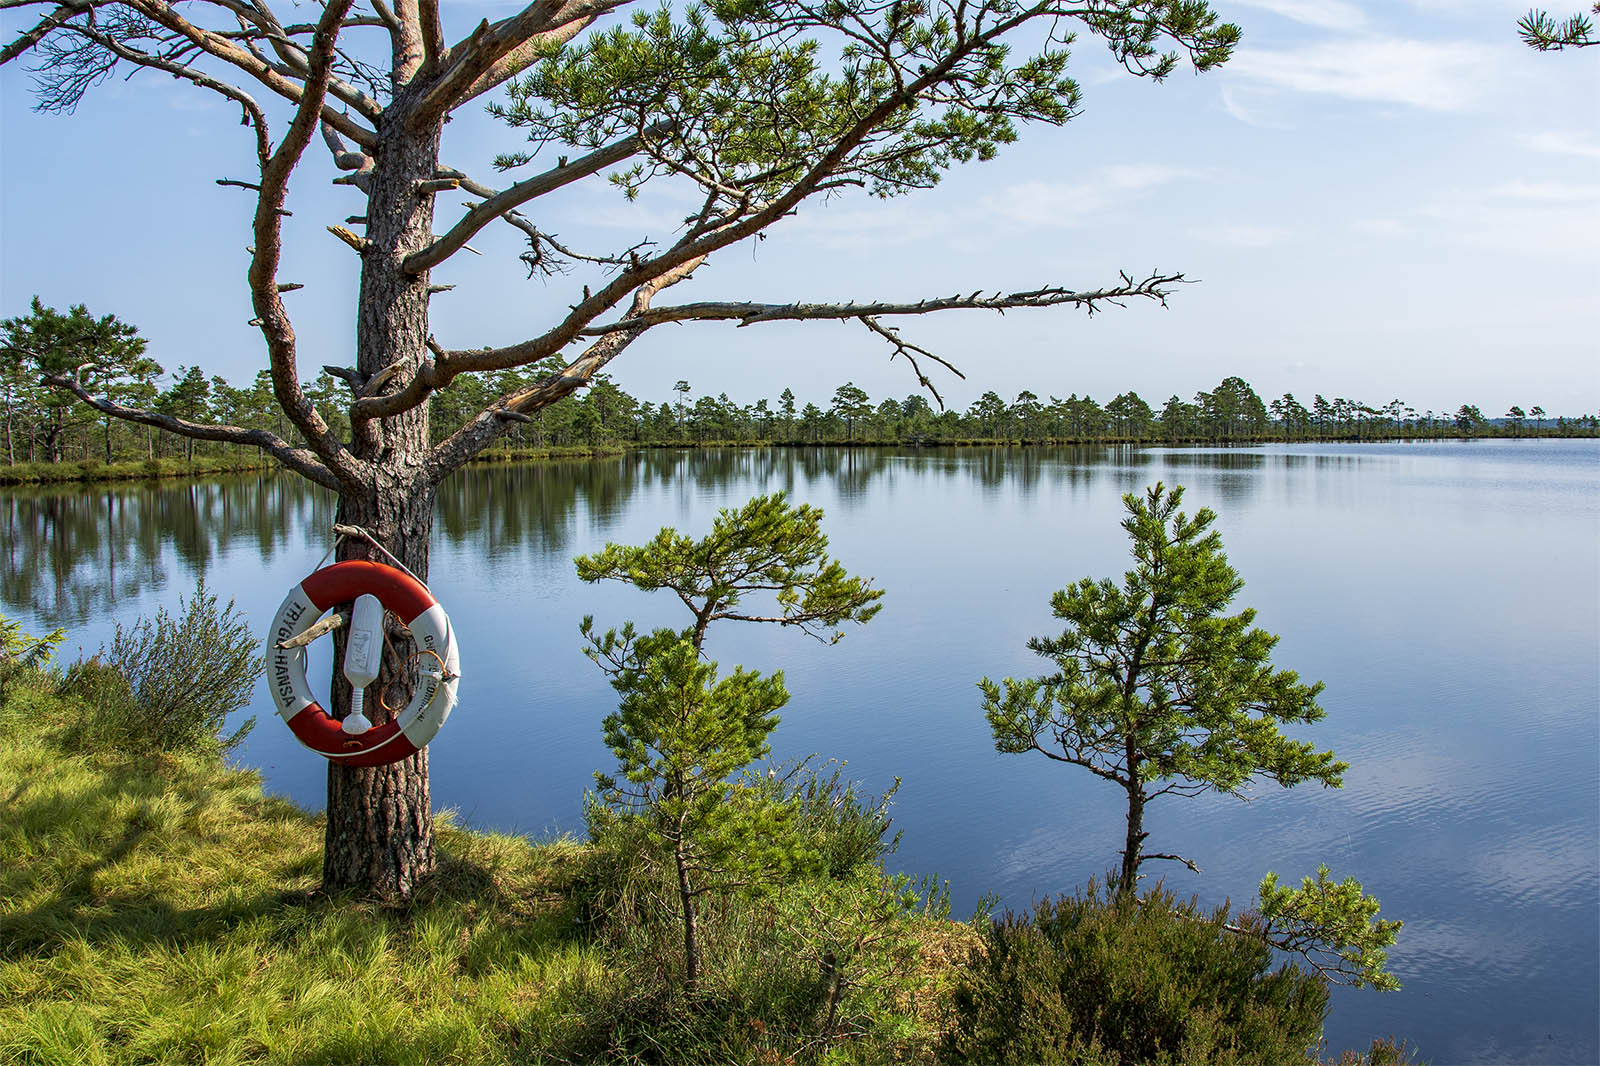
[(1160, 692), (680, 733)]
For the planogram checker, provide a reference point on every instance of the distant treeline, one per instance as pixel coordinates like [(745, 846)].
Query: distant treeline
[(44, 426)]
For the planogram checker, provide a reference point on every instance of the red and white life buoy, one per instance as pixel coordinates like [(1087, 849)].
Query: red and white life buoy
[(410, 601)]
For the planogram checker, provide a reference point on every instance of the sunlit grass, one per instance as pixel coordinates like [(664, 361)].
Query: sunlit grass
[(165, 913)]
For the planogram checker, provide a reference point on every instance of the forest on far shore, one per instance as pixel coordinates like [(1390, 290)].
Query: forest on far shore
[(43, 426)]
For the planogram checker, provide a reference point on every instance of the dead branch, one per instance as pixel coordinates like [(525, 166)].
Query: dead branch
[(358, 243), (1155, 287), (1174, 858), (458, 449), (518, 194), (433, 45), (219, 47), (300, 460), (906, 348), (32, 37), (266, 300), (337, 620), (491, 54), (343, 158)]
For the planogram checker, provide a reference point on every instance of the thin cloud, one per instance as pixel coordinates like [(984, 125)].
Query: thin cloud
[(1326, 14), (1580, 143), (1248, 106), (1241, 236), (1043, 203), (1422, 74), (1544, 220), (1548, 192)]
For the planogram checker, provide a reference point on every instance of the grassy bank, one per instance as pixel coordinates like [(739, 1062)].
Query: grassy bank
[(132, 470), (159, 908), (165, 910)]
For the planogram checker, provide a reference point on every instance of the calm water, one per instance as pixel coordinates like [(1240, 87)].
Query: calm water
[(1446, 593)]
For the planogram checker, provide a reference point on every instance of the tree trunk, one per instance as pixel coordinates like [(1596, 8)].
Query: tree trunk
[(380, 819), (1128, 880), (691, 938)]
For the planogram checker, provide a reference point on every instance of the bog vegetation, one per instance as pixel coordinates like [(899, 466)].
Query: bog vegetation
[(158, 907), (49, 436)]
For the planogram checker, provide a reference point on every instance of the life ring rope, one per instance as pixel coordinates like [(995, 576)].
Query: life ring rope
[(409, 600)]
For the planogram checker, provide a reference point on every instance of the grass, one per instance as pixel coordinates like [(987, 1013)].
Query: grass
[(165, 911), (43, 473)]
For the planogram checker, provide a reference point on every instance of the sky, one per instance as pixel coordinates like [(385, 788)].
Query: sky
[(1374, 200)]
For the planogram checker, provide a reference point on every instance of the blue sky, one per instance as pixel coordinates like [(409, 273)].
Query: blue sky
[(1377, 200)]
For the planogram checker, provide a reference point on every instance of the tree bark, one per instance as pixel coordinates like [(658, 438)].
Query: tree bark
[(1128, 882), (380, 819), (691, 938)]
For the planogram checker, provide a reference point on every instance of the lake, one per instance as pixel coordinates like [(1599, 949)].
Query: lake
[(1447, 593)]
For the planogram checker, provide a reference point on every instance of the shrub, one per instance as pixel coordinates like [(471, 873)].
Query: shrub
[(22, 654), (1106, 982), (169, 684), (822, 958)]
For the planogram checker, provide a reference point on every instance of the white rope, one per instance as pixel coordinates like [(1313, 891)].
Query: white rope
[(357, 531)]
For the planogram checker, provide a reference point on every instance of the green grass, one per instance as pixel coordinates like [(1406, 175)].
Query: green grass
[(43, 473), (165, 911)]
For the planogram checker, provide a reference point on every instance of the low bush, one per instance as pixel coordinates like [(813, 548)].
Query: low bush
[(820, 965), (1094, 981), (168, 683)]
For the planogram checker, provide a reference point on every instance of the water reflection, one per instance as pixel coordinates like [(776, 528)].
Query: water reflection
[(71, 554)]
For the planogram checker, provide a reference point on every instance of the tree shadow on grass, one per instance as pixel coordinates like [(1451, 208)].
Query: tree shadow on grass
[(76, 911)]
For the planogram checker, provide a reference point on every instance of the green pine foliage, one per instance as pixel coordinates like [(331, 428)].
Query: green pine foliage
[(680, 734), (1159, 692), (1155, 689), (1333, 925), (768, 547)]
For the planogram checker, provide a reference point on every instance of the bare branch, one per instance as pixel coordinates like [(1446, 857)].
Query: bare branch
[(386, 14), (358, 243), (265, 298), (1143, 855), (220, 47), (1155, 287), (433, 45), (520, 193), (471, 438), (300, 460), (337, 620), (491, 54), (905, 348), (45, 25)]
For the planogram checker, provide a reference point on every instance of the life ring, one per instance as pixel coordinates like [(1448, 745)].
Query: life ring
[(410, 601)]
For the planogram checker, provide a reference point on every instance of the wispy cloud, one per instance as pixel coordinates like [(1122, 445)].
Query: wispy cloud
[(1253, 107), (1548, 192), (1045, 203), (1544, 219), (850, 228), (1434, 76), (1241, 236), (1581, 143), (1327, 14)]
